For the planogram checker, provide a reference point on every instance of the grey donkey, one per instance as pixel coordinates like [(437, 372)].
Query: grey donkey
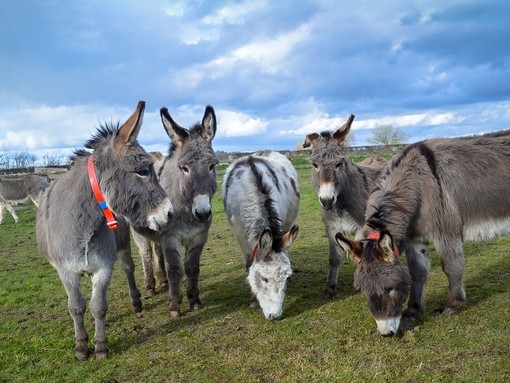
[(188, 176), (82, 221), (14, 191), (343, 189)]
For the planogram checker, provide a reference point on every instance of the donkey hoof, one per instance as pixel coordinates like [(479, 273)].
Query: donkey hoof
[(328, 293), (101, 355), (197, 306), (101, 351), (137, 306), (81, 350), (150, 293), (81, 355), (175, 313)]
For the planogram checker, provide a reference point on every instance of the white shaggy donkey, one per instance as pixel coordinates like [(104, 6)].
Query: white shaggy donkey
[(261, 199)]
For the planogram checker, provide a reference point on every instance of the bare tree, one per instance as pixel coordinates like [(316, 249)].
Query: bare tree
[(54, 160), (24, 159), (388, 135)]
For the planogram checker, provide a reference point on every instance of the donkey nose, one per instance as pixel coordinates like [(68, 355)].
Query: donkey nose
[(202, 215), (273, 316), (326, 202)]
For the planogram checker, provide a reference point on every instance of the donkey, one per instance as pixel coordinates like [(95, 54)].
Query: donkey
[(343, 189), (443, 191), (188, 175), (261, 200), (14, 191), (79, 237)]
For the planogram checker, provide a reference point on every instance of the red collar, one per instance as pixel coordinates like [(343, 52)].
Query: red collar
[(110, 217), (377, 235)]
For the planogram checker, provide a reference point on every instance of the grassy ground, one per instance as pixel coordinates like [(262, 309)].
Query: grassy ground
[(317, 340)]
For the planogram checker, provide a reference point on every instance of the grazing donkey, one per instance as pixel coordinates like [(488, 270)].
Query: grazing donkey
[(14, 191), (343, 189), (261, 199), (79, 237), (188, 175), (445, 191)]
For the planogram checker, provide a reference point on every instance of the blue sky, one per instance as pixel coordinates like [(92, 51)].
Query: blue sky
[(273, 70)]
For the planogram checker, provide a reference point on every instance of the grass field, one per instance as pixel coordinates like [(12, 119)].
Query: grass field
[(316, 341)]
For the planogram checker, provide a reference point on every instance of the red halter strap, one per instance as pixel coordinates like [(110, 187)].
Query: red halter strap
[(254, 252), (377, 235), (110, 217)]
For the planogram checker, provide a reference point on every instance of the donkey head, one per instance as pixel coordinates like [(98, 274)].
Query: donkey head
[(381, 277), (270, 271), (328, 162), (196, 160), (126, 175)]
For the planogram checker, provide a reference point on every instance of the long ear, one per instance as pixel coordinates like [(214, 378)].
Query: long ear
[(351, 248), (341, 134), (128, 132), (387, 247), (264, 247), (208, 124), (311, 140), (177, 133), (289, 237)]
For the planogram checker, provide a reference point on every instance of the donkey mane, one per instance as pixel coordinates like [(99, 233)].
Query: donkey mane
[(104, 131), (275, 223)]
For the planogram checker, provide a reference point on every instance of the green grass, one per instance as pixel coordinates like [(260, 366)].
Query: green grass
[(317, 340)]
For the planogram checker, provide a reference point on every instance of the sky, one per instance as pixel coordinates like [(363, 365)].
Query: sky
[(274, 71)]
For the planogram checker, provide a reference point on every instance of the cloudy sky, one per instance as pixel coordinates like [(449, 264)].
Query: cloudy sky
[(273, 70)]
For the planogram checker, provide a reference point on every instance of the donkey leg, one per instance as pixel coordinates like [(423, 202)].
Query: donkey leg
[(419, 266), (174, 273), (159, 265), (98, 308), (335, 257), (452, 263), (144, 248), (11, 210), (76, 305), (128, 266), (192, 269)]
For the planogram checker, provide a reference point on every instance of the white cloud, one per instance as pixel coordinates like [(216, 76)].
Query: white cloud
[(235, 124), (234, 13)]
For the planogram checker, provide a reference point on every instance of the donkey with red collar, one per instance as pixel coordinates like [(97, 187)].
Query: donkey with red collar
[(442, 191)]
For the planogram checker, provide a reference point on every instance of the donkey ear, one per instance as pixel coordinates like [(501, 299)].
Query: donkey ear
[(128, 132), (265, 245), (311, 140), (176, 132), (208, 124), (350, 247), (387, 247), (289, 237), (341, 134)]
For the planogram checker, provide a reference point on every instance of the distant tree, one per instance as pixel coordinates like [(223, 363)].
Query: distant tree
[(387, 135), (54, 160), (24, 159)]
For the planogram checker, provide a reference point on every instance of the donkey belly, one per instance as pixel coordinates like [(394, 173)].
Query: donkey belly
[(486, 230)]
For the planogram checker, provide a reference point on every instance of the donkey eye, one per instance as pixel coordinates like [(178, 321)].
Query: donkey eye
[(264, 279), (315, 165), (211, 167), (184, 168), (142, 172), (338, 165)]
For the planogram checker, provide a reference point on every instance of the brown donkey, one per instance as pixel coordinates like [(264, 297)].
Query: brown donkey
[(442, 191)]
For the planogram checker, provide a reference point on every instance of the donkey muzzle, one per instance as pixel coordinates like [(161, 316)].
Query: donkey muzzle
[(202, 207)]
